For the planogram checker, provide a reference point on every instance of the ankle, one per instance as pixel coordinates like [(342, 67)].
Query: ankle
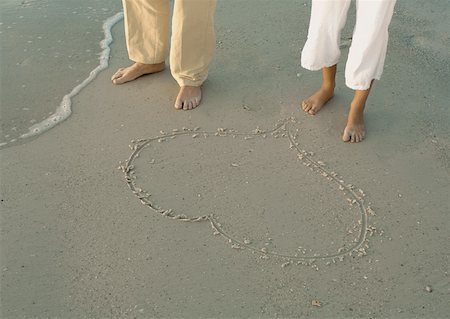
[(146, 65), (357, 105), (329, 87), (356, 113)]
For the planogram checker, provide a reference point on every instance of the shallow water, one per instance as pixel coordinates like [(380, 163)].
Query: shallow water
[(48, 48)]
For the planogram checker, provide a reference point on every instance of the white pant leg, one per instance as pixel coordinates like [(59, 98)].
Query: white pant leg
[(369, 43), (322, 46)]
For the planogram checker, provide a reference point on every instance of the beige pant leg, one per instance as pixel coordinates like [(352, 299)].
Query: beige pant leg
[(193, 41), (147, 30)]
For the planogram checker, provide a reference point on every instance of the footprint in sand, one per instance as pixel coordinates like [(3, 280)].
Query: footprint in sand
[(252, 189)]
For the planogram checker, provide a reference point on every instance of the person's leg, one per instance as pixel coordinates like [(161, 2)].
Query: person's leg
[(146, 32), (314, 103), (192, 48), (366, 59), (355, 130), (321, 50)]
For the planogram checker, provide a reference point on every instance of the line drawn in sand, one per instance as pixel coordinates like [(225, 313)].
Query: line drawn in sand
[(355, 196)]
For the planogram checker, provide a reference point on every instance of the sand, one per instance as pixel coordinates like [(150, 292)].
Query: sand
[(77, 242)]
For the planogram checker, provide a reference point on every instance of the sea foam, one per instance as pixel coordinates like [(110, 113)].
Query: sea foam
[(64, 109)]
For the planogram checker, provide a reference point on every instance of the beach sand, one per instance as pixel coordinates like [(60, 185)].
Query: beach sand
[(76, 242)]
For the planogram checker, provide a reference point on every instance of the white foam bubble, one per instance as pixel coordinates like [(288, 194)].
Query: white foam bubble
[(64, 109)]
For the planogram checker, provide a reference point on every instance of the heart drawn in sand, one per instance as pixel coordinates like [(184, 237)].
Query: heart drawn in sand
[(283, 134)]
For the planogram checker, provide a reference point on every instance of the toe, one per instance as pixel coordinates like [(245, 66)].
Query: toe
[(346, 136), (117, 74), (306, 106), (196, 101), (178, 104), (120, 79)]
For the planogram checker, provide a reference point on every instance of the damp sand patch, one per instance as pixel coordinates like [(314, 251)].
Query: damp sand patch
[(260, 191), (64, 109)]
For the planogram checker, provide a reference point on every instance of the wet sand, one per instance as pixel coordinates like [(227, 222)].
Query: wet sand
[(50, 47), (77, 242)]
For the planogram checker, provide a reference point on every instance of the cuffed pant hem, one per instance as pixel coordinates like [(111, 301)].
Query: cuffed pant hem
[(361, 86), (317, 67), (144, 60), (188, 82)]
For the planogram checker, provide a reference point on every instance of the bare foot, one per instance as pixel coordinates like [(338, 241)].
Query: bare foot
[(314, 103), (355, 132), (134, 71), (188, 98)]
